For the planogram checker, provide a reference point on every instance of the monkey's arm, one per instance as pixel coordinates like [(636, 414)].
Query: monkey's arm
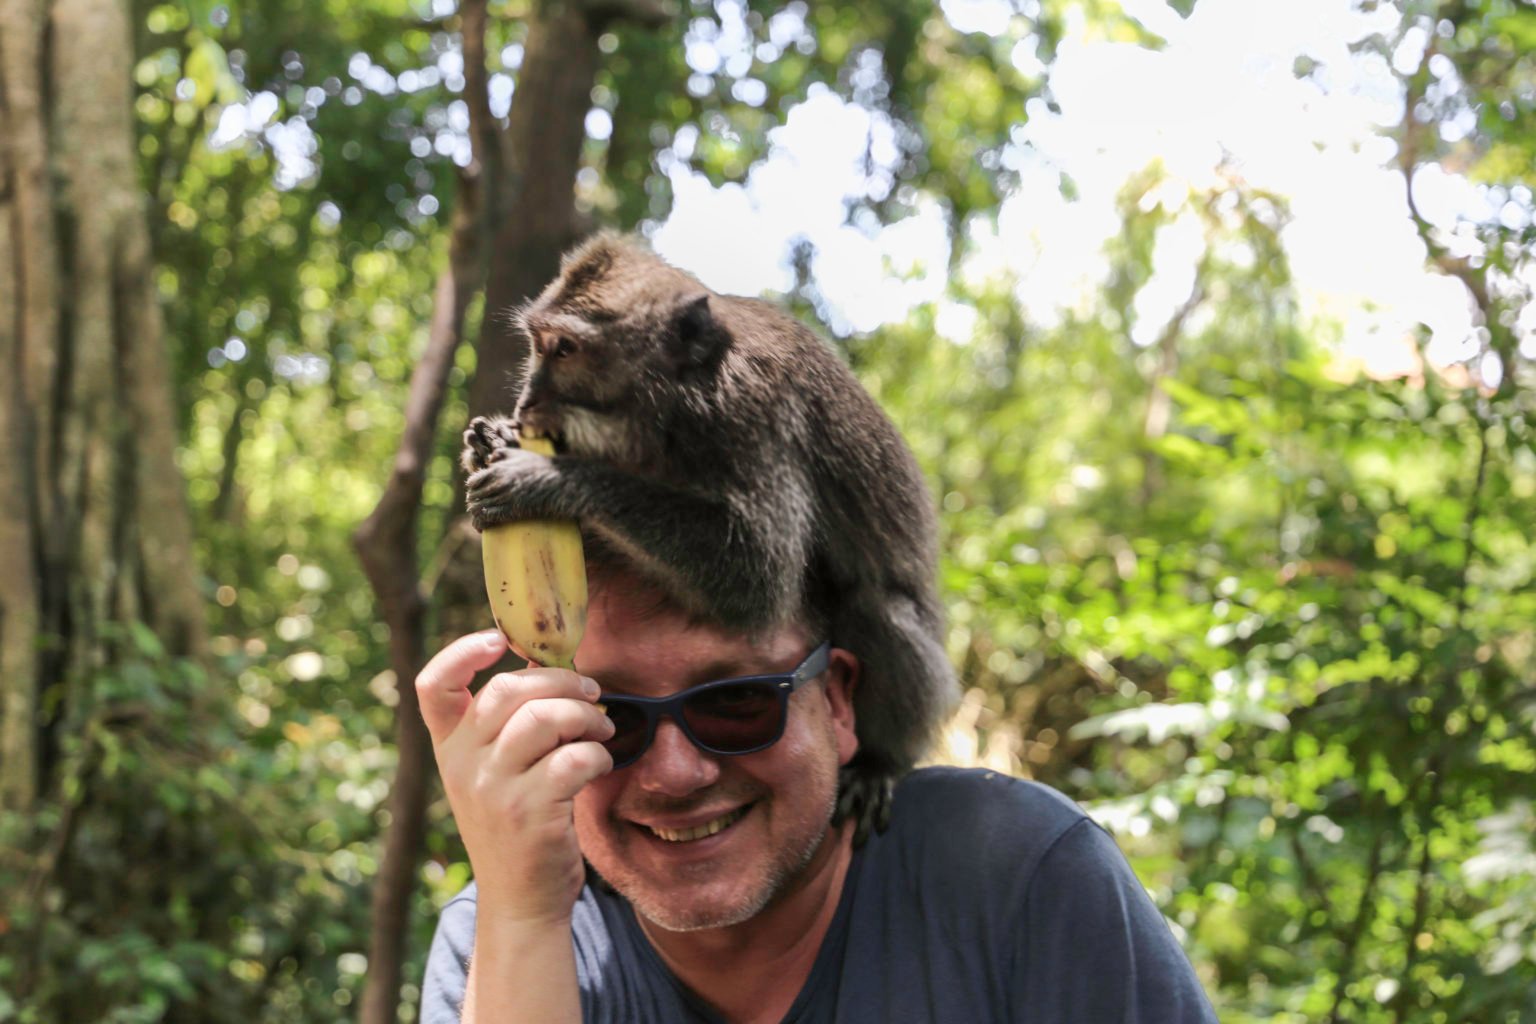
[(719, 555)]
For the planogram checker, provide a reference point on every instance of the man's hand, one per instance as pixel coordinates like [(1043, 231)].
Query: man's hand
[(512, 758)]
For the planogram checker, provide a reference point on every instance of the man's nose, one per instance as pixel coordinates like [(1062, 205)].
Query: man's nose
[(673, 765)]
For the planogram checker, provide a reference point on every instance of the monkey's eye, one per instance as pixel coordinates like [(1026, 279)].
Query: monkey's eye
[(562, 347)]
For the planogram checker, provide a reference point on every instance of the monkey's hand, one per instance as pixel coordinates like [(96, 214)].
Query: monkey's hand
[(706, 551), (512, 483), (487, 440)]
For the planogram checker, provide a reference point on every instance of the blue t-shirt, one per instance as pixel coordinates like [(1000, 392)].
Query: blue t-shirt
[(988, 899)]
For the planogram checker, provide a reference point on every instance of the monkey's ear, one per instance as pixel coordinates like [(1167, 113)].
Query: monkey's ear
[(699, 340)]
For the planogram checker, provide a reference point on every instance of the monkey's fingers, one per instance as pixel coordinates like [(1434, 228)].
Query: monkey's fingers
[(882, 815), (487, 440), (477, 446), (864, 797)]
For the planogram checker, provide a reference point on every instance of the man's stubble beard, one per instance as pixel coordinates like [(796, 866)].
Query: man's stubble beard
[(784, 871), (782, 875)]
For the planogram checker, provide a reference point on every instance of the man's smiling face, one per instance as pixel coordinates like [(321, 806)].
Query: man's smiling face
[(696, 840)]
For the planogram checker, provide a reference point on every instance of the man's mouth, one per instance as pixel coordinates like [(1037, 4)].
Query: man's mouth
[(709, 828)]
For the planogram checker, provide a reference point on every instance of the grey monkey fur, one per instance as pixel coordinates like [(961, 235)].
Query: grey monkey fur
[(724, 449)]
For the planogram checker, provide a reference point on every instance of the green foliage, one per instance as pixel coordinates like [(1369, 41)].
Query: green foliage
[(1283, 649), (1273, 624), (188, 860)]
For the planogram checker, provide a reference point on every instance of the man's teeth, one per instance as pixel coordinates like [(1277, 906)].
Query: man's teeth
[(709, 828)]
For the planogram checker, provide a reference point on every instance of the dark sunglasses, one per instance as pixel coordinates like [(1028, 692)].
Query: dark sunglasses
[(729, 716)]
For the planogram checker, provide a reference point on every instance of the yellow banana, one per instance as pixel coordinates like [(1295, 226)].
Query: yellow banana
[(536, 579)]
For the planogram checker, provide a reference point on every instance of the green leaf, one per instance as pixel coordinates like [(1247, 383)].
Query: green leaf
[(208, 68), (145, 641), (1188, 452)]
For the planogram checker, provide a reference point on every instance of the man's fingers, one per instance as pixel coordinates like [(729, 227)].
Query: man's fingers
[(540, 726), (572, 765), (500, 698), (442, 686)]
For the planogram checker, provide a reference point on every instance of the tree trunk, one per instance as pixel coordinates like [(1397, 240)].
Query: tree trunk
[(94, 527), (387, 544), (541, 154), (515, 215)]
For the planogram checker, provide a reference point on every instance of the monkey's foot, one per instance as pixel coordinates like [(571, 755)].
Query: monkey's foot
[(864, 798), (487, 441)]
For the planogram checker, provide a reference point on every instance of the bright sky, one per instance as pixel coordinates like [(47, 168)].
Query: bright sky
[(1221, 97), (1223, 85)]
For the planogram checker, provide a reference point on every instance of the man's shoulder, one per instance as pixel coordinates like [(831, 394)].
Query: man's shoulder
[(470, 895), (971, 802), (1014, 896), (947, 784), (987, 821)]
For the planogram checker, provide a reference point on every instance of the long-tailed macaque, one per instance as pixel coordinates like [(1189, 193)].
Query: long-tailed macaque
[(724, 449)]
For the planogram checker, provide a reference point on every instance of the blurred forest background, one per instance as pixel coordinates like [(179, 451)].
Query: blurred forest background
[(1265, 607)]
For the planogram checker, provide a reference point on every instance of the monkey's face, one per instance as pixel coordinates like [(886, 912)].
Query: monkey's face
[(579, 386), (606, 384)]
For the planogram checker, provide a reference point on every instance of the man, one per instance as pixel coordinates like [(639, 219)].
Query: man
[(719, 890)]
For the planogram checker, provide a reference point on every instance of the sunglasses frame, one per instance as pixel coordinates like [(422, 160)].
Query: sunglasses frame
[(653, 708)]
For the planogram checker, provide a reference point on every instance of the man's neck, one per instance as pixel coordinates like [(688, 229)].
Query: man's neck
[(752, 972)]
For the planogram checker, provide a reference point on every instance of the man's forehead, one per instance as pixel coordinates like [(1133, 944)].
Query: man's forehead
[(677, 658), (640, 648), (666, 679)]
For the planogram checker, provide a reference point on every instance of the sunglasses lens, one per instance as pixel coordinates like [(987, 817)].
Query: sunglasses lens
[(628, 741), (737, 717)]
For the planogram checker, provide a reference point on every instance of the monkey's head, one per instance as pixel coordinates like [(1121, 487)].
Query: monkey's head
[(618, 345)]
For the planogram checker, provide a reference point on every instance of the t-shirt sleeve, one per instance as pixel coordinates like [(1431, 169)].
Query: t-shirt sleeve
[(1095, 947), (443, 983)]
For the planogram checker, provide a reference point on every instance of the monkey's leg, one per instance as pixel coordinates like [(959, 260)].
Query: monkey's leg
[(864, 791), (906, 682), (906, 688), (736, 561)]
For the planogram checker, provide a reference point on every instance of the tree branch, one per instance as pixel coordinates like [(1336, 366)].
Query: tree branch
[(1475, 279), (1363, 912), (517, 194), (386, 543)]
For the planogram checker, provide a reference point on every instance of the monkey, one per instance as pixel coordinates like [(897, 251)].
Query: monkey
[(722, 448)]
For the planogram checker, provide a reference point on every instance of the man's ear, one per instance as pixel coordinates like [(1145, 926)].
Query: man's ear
[(698, 338), (842, 681)]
